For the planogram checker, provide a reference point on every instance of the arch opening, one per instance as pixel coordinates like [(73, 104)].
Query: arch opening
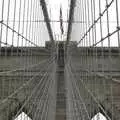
[(99, 116), (23, 116)]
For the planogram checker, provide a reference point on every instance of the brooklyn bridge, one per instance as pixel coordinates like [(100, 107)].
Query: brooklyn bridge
[(60, 62)]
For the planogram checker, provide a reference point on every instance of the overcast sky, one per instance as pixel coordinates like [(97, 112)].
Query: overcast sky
[(54, 11)]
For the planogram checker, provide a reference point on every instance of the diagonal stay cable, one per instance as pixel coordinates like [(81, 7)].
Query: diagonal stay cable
[(107, 7), (79, 103), (75, 87), (46, 89), (24, 68), (16, 91), (45, 86), (109, 35), (100, 75), (94, 98), (19, 34), (33, 92)]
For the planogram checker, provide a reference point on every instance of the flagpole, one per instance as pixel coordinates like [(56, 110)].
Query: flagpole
[(61, 23)]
